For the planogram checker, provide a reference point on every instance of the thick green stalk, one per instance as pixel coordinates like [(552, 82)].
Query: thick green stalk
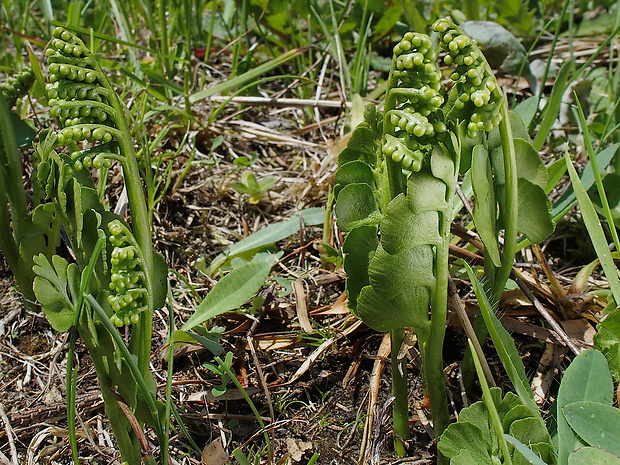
[(400, 392), (511, 204), (13, 192), (141, 223), (433, 349), (15, 187)]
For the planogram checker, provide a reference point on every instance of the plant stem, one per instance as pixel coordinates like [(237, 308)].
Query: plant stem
[(400, 392), (511, 204), (15, 187)]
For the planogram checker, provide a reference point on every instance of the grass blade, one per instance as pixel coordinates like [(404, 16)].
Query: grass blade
[(595, 230), (505, 346), (248, 75)]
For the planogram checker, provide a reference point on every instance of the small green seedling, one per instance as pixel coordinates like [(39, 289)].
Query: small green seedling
[(254, 188)]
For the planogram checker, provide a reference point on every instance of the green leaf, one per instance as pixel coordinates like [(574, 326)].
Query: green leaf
[(568, 199), (505, 347), (485, 206), (356, 206), (595, 230), (232, 291), (464, 436), (51, 289), (358, 247), (535, 220), (354, 172), (362, 146), (400, 290), (607, 340), (524, 450), (24, 132), (587, 378), (269, 235), (596, 423), (593, 456)]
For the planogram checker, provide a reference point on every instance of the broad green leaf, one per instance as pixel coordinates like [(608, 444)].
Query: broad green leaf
[(593, 456), (356, 206), (485, 206), (529, 164), (403, 229), (461, 436), (354, 172), (400, 290), (269, 235), (51, 288), (587, 378), (24, 132), (362, 146), (358, 247), (232, 291), (596, 423), (535, 220), (505, 347), (595, 230)]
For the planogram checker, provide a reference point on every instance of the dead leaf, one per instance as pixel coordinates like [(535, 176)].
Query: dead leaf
[(214, 453), (300, 305), (297, 448)]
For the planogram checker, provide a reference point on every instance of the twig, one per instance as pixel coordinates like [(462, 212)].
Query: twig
[(545, 313), (9, 434), (469, 330), (283, 102), (263, 383), (375, 379)]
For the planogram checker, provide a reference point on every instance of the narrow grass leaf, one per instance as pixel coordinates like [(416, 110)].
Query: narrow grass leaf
[(528, 453), (595, 230), (552, 109), (505, 347), (248, 76), (568, 199), (232, 291), (496, 422)]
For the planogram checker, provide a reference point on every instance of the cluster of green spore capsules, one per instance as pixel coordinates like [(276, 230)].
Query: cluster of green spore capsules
[(17, 86), (77, 97), (414, 121), (128, 297), (475, 83)]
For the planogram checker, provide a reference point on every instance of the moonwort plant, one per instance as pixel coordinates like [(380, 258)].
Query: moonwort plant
[(114, 279), (396, 186)]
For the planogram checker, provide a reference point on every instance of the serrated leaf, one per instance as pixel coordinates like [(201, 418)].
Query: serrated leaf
[(462, 436), (51, 289), (232, 291)]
